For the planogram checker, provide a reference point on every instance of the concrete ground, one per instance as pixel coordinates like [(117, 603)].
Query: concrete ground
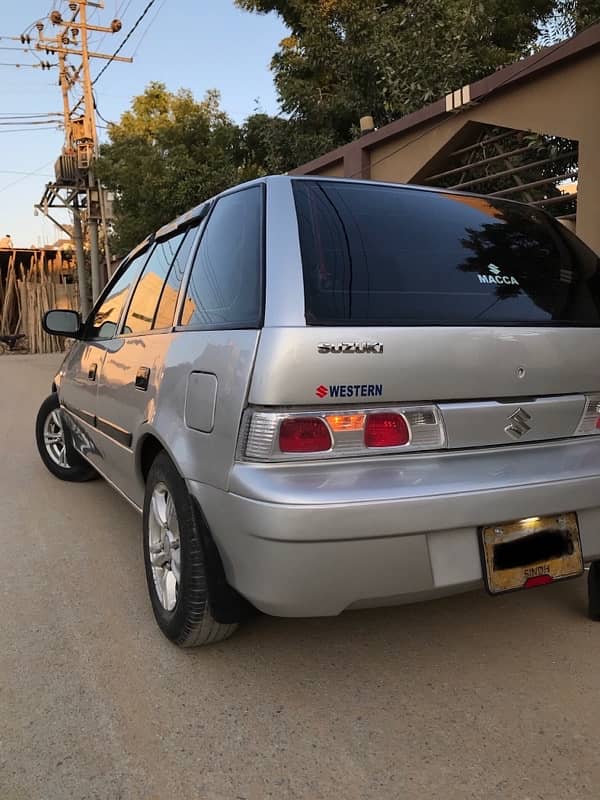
[(469, 697)]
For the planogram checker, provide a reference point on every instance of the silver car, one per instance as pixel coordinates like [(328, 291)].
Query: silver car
[(328, 394)]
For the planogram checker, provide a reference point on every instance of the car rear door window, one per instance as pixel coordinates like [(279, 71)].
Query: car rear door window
[(165, 313), (148, 292), (376, 255), (225, 286), (106, 316)]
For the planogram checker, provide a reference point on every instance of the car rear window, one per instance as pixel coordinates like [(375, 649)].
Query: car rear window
[(384, 255)]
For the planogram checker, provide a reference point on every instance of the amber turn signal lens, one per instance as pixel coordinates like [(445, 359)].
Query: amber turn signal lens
[(345, 422)]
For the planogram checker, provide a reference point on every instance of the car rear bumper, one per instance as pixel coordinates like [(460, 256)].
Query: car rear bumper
[(320, 538)]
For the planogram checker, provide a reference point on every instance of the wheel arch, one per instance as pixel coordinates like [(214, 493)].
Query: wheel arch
[(227, 605), (148, 447)]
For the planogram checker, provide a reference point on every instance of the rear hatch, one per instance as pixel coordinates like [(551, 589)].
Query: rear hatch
[(482, 310)]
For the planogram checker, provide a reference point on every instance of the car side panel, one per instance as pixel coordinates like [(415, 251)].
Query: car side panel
[(174, 361), (123, 408), (77, 392), (206, 457)]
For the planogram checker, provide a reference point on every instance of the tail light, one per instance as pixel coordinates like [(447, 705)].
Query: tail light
[(590, 419), (283, 436), (304, 435), (386, 429)]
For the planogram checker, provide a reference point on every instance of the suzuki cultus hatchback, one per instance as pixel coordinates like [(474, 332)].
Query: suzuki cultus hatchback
[(330, 394)]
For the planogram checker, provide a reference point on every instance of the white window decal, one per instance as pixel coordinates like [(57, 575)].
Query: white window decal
[(495, 276)]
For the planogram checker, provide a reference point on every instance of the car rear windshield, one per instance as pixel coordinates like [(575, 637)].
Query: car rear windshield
[(384, 255)]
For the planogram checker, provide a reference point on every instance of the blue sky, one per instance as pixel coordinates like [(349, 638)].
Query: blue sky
[(197, 44)]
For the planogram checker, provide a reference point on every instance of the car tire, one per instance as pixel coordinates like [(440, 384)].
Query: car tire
[(55, 447), (174, 557), (594, 591)]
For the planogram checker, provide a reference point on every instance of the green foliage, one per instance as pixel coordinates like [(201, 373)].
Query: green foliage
[(346, 58), (568, 18), (342, 59), (170, 152), (276, 144), (166, 154)]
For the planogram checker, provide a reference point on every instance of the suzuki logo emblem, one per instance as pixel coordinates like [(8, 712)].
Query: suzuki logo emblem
[(517, 424)]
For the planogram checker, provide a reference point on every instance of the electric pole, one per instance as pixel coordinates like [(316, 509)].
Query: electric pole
[(76, 185), (88, 100)]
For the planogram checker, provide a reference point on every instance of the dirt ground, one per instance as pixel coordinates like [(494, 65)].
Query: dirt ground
[(469, 697)]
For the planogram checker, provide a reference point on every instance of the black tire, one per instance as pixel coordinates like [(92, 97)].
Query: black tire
[(74, 467), (594, 591), (190, 622)]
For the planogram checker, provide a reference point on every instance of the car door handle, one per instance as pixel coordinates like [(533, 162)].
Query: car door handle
[(142, 378), (92, 372)]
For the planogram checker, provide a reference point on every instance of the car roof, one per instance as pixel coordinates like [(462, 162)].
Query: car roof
[(200, 211)]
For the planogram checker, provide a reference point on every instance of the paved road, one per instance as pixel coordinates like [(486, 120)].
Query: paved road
[(462, 698)]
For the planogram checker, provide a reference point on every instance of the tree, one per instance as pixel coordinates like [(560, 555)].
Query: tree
[(568, 18), (271, 145), (347, 58), (168, 153)]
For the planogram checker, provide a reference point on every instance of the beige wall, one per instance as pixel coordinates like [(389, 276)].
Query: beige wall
[(564, 102), (389, 163), (334, 170)]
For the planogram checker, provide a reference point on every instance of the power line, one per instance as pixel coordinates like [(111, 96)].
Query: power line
[(42, 65), (4, 122), (19, 49), (22, 172), (26, 175), (118, 13), (125, 10), (31, 130), (7, 115), (97, 110), (124, 42), (148, 26), (32, 26)]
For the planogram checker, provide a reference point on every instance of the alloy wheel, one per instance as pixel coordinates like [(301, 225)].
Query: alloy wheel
[(54, 439), (164, 546)]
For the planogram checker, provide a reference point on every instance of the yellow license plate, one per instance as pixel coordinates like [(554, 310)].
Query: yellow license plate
[(531, 552)]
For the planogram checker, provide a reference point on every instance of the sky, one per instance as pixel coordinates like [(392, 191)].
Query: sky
[(196, 44)]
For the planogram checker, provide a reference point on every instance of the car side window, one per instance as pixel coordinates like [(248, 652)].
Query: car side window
[(147, 293), (225, 286), (105, 317), (165, 313)]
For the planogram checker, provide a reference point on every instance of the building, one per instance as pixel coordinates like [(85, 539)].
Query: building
[(529, 131)]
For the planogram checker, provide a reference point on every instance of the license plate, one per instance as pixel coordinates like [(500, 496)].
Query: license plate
[(530, 552)]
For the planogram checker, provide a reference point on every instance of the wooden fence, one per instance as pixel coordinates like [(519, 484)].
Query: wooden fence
[(26, 292)]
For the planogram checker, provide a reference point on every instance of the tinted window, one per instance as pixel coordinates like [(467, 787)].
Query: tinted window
[(108, 313), (386, 255), (165, 312), (147, 293), (225, 283)]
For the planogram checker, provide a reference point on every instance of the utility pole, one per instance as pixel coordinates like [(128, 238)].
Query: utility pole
[(90, 113), (82, 278), (75, 183)]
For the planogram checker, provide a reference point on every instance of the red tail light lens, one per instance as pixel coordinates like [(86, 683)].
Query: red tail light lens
[(304, 435), (386, 430)]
